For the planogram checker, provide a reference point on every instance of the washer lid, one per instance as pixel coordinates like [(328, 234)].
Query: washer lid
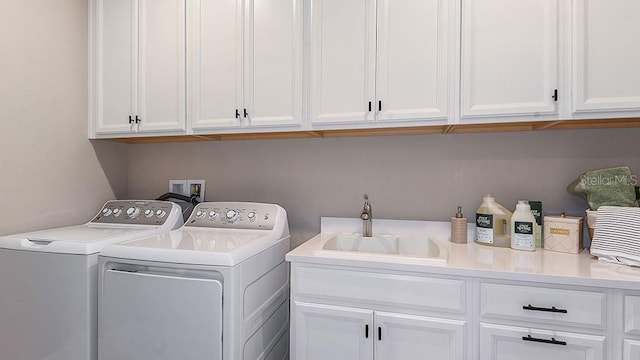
[(79, 239), (196, 246)]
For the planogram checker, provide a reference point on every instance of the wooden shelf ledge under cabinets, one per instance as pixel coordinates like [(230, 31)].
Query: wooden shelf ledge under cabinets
[(416, 130)]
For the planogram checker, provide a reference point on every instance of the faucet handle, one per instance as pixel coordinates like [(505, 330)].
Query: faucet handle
[(366, 197)]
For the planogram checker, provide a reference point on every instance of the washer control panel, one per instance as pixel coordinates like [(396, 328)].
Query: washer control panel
[(234, 215), (138, 212)]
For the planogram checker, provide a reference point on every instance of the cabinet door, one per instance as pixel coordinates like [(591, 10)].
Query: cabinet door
[(273, 62), (413, 59), (161, 99), (606, 57), (215, 59), (506, 343), (331, 332), (410, 337), (509, 58), (115, 61), (342, 61), (631, 350)]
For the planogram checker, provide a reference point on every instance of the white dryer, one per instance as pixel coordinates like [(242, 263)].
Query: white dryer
[(217, 288), (49, 280)]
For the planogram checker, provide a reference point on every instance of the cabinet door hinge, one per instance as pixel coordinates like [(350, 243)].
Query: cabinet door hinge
[(555, 95)]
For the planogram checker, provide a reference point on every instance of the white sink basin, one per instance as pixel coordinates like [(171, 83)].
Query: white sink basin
[(385, 248)]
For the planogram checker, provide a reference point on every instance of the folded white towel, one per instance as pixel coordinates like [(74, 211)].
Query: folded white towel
[(617, 235)]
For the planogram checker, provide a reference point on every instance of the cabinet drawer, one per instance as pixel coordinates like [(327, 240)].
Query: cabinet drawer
[(417, 292), (632, 315), (510, 342), (546, 305)]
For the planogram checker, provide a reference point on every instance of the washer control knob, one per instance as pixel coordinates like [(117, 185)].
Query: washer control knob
[(160, 213), (201, 214), (133, 212), (213, 214), (117, 212), (148, 213), (106, 212), (251, 216), (232, 216)]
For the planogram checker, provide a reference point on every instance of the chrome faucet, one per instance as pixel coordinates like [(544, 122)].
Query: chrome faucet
[(366, 217)]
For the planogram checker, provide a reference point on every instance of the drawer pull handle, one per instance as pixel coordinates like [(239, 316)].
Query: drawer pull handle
[(552, 309), (546, 341)]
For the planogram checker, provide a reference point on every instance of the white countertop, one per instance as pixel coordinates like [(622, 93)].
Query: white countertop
[(471, 259)]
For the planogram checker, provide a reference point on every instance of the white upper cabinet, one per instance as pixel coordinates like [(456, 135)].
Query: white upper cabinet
[(161, 99), (245, 64), (215, 59), (342, 60), (381, 60), (138, 82), (414, 59), (273, 62), (606, 58), (509, 60), (115, 65)]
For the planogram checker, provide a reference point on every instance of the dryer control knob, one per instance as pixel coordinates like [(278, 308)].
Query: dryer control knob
[(133, 212), (106, 212), (160, 213), (201, 214), (213, 215), (148, 213), (231, 216), (251, 216), (117, 212)]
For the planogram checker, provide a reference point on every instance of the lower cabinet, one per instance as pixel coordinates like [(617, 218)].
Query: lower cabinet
[(343, 333), (500, 342), (326, 332), (630, 326)]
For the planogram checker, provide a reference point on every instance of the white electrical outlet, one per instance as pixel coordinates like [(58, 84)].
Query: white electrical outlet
[(179, 187), (196, 187)]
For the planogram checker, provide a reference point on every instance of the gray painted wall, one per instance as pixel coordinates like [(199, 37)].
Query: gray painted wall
[(406, 177), (50, 174)]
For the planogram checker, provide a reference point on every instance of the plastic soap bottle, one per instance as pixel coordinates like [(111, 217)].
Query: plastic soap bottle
[(492, 223), (523, 227)]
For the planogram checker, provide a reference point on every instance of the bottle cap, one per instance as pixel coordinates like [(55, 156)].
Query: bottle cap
[(523, 205), (488, 197)]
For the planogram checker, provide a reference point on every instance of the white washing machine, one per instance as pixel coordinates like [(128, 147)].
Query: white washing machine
[(217, 288), (49, 280)]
